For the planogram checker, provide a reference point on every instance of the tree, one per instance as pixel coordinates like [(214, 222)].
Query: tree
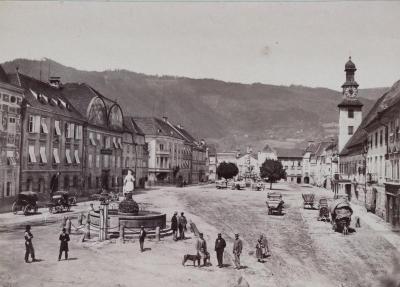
[(272, 170), (227, 170)]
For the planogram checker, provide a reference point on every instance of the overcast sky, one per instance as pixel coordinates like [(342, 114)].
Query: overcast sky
[(275, 43)]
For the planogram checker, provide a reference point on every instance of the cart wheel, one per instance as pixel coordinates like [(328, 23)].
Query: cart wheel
[(72, 200), (27, 209), (14, 208)]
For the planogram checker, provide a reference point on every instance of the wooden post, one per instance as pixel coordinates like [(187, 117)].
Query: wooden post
[(158, 233), (122, 233), (88, 227), (103, 228)]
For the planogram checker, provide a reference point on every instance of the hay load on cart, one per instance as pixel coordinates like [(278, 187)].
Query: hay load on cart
[(341, 213)]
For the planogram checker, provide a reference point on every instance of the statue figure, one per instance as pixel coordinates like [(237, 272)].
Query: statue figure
[(129, 183)]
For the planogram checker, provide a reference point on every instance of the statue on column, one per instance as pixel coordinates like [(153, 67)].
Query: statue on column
[(129, 183)]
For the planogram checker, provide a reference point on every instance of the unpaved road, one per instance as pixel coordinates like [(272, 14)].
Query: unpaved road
[(305, 252)]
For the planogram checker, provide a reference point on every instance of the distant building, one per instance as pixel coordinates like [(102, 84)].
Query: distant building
[(11, 97), (291, 160), (248, 165), (212, 164), (266, 153)]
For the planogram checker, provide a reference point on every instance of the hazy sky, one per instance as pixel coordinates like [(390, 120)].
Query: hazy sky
[(275, 43)]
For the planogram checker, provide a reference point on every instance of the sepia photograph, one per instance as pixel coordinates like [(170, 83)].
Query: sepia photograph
[(197, 143)]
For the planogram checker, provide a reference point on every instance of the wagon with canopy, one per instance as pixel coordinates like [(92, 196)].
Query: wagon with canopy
[(274, 203), (341, 213)]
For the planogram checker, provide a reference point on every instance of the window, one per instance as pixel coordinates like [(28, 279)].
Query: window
[(57, 130), (350, 130), (66, 182), (31, 124), (78, 132), (376, 139), (161, 147), (105, 160), (68, 156), (43, 158), (99, 138), (381, 137), (31, 151), (97, 160), (120, 143), (76, 153), (91, 139), (75, 181), (90, 160), (56, 158), (115, 142), (43, 126), (118, 162), (6, 97), (351, 113), (8, 188)]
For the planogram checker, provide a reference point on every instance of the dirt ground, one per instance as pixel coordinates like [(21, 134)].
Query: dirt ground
[(305, 252)]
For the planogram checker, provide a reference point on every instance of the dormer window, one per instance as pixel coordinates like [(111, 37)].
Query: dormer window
[(53, 102), (34, 94), (62, 104)]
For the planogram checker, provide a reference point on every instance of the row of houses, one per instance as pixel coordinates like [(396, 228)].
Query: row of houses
[(56, 136)]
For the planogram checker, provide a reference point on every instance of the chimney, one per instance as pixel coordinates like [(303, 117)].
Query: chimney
[(165, 119), (55, 82)]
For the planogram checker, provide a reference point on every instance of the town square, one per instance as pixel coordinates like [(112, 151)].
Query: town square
[(200, 143)]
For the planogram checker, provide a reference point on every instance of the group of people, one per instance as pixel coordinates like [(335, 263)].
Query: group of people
[(262, 249), (178, 223), (30, 251)]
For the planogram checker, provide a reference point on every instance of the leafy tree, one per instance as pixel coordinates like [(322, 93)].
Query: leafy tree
[(227, 170), (272, 170)]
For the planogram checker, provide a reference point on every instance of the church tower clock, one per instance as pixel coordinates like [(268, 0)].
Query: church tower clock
[(350, 108)]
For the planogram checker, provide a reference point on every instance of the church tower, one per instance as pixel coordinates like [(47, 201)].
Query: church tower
[(350, 114)]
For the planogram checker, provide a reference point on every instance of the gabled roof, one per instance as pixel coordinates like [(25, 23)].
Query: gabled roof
[(156, 127), (289, 153), (41, 95), (131, 126)]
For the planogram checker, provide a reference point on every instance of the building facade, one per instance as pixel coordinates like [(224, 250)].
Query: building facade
[(52, 139), (291, 160), (11, 97)]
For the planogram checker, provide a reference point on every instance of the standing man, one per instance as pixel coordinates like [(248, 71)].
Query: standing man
[(64, 238), (142, 236), (174, 225), (28, 244), (201, 247), (182, 225), (68, 225), (220, 245), (237, 250)]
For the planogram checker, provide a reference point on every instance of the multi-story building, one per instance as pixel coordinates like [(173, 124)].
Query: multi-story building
[(165, 146), (248, 165), (291, 160), (212, 164), (11, 97), (52, 138), (266, 153), (187, 167), (102, 138), (135, 155), (199, 159)]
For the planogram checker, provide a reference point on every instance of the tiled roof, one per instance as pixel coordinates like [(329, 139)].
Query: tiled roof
[(80, 95), (156, 127), (41, 95), (346, 102), (131, 126), (188, 137), (289, 153)]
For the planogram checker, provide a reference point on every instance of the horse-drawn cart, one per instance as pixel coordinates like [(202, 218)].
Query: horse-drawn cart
[(323, 210), (308, 200), (59, 202), (341, 212), (274, 203), (26, 202)]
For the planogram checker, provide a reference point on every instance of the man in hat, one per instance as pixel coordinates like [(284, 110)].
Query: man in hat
[(201, 247), (237, 250), (182, 225), (28, 244), (220, 245), (142, 236), (64, 238), (174, 225)]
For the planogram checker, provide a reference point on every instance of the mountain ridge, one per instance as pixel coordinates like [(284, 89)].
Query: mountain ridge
[(227, 114)]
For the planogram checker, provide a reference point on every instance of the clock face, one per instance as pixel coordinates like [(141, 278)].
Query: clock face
[(350, 92)]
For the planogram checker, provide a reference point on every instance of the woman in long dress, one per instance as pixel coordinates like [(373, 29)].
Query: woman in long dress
[(259, 251), (129, 183)]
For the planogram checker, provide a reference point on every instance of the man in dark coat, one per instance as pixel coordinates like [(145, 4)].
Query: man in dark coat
[(28, 244), (220, 245), (64, 238), (182, 225), (174, 225), (142, 236)]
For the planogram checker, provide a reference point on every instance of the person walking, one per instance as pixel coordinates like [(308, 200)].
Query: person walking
[(259, 251), (201, 247), (265, 248), (237, 250), (182, 226), (174, 225), (220, 245), (64, 238), (142, 236), (28, 245), (68, 225)]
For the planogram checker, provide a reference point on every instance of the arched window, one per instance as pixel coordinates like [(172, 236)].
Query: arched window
[(97, 112), (115, 117)]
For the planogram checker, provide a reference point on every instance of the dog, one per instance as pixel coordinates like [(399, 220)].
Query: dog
[(345, 230), (193, 258)]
